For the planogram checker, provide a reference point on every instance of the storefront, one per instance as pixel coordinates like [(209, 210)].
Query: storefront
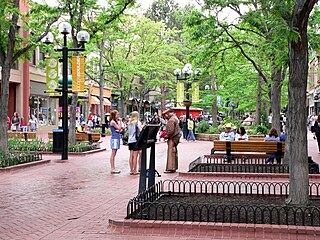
[(42, 106)]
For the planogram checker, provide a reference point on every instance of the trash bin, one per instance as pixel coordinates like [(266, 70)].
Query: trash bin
[(57, 145)]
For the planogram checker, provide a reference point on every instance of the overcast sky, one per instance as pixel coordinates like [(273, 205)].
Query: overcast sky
[(144, 3)]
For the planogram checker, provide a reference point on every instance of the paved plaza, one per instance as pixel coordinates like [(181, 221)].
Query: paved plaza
[(75, 199)]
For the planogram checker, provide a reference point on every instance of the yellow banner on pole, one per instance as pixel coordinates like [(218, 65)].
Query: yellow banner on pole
[(195, 92), (77, 73), (180, 92), (52, 70)]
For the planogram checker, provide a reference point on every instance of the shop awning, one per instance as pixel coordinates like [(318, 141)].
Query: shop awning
[(94, 100), (106, 102)]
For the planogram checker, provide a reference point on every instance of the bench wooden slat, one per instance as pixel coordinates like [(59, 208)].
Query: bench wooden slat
[(21, 135), (95, 137)]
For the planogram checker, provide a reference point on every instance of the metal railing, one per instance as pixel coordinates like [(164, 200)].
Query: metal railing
[(248, 164), (152, 204)]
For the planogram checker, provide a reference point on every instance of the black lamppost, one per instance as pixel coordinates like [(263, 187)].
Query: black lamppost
[(185, 75), (82, 37)]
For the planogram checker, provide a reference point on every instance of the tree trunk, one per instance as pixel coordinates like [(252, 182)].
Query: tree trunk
[(72, 119), (276, 79), (297, 111), (214, 107), (101, 82), (259, 100), (5, 73)]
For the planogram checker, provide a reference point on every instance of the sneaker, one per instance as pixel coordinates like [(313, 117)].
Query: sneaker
[(115, 172)]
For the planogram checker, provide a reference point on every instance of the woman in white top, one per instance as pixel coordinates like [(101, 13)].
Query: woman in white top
[(33, 123), (241, 134), (134, 127)]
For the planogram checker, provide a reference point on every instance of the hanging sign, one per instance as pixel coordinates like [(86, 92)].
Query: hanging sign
[(180, 92), (52, 68), (77, 73), (195, 92)]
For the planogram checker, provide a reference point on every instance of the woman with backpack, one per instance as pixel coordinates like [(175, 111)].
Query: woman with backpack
[(134, 128)]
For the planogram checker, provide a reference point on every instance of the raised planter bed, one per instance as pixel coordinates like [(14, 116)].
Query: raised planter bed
[(232, 202), (247, 164), (20, 158)]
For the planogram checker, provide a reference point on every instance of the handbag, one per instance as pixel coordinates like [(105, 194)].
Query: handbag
[(137, 133), (13, 127)]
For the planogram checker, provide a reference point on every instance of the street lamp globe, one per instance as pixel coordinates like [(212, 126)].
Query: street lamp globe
[(83, 36), (48, 39), (185, 70), (65, 28), (189, 72), (198, 71), (177, 72), (188, 66)]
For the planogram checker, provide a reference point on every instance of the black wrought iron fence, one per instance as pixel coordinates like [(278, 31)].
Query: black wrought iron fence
[(248, 164), (170, 200)]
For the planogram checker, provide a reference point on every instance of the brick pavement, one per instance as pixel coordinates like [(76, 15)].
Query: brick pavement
[(75, 199)]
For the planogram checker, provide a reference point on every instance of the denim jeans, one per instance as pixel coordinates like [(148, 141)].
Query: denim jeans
[(191, 134)]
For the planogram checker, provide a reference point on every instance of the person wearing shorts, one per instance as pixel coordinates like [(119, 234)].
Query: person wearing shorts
[(134, 127), (115, 139)]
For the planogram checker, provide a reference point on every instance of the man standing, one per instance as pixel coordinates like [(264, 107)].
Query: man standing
[(173, 136)]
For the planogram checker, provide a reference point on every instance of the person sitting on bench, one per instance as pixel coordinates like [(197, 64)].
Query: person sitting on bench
[(228, 135), (272, 137), (81, 128)]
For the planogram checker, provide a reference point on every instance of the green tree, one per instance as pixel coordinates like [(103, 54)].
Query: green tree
[(15, 45), (297, 16), (137, 54)]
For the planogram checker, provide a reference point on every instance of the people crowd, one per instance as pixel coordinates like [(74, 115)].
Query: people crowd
[(172, 130)]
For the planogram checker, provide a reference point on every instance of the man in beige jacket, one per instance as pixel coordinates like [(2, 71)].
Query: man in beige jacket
[(173, 136)]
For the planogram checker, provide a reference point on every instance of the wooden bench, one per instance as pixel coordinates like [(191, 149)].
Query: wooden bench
[(90, 137), (22, 135), (257, 139), (252, 148)]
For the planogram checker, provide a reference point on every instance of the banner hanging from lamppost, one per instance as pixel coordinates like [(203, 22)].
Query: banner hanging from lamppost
[(52, 69), (180, 92), (195, 92), (77, 73)]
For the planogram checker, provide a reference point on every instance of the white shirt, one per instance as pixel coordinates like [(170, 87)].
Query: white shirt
[(227, 136), (241, 138)]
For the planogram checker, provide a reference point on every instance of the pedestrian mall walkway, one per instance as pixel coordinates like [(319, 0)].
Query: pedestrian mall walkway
[(74, 199)]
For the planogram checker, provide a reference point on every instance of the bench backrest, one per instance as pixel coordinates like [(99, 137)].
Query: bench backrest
[(81, 136), (248, 146), (22, 135)]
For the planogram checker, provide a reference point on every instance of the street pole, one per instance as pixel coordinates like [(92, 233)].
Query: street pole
[(82, 38), (65, 98)]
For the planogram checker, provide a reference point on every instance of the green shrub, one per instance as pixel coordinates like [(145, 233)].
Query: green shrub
[(203, 126), (213, 130), (108, 131), (262, 129), (31, 145), (81, 147)]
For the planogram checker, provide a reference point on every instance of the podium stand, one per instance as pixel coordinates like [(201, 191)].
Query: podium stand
[(147, 139)]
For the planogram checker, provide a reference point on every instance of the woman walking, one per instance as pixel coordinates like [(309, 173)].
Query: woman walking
[(134, 128), (316, 129), (115, 139), (15, 122)]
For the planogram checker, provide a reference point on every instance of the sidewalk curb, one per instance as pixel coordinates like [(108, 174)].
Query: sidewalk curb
[(23, 166), (216, 229), (244, 175), (75, 153)]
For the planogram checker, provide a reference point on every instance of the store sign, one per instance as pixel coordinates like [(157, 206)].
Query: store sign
[(52, 68), (195, 92), (180, 92), (77, 73)]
